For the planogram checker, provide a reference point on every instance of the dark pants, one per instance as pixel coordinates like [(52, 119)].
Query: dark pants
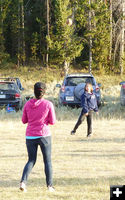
[(89, 121), (32, 146)]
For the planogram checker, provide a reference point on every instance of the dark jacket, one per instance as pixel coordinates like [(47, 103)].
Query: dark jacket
[(88, 102)]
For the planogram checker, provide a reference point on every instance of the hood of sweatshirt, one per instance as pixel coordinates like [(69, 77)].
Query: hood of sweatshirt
[(34, 103)]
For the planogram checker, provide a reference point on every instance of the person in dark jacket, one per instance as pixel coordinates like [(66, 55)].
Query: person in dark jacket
[(89, 104)]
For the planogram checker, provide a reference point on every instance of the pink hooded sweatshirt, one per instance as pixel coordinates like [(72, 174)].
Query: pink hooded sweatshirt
[(38, 113)]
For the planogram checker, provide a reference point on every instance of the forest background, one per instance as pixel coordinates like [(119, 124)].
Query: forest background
[(37, 32), (38, 43)]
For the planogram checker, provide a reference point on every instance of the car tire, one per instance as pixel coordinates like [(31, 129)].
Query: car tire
[(122, 102), (122, 99), (99, 104), (79, 90), (17, 108), (60, 103)]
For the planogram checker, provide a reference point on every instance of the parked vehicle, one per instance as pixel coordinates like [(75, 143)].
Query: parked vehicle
[(73, 87), (122, 93), (16, 80), (10, 94)]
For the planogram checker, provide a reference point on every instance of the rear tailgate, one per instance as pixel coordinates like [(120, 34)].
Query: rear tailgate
[(7, 95)]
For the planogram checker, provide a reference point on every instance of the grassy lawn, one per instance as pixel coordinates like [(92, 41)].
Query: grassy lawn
[(83, 169)]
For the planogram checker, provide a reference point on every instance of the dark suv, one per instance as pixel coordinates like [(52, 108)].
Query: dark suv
[(10, 94), (73, 87)]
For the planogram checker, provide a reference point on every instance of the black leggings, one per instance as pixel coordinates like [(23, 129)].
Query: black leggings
[(89, 122), (32, 147)]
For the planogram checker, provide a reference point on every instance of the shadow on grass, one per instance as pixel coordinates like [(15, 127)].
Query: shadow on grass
[(73, 181), (100, 140), (103, 155)]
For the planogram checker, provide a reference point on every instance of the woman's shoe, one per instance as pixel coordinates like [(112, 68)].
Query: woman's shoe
[(51, 189), (23, 187), (89, 135), (72, 132)]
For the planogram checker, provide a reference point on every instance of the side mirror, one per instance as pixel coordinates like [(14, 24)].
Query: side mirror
[(22, 89), (58, 85)]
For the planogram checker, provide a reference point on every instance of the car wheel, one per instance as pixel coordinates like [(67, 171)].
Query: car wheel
[(99, 104), (19, 106), (122, 99), (59, 102), (122, 102), (17, 109), (79, 90)]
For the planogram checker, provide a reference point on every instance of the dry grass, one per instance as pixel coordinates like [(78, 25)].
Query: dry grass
[(83, 169)]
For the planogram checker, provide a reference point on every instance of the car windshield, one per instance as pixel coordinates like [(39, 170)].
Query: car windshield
[(7, 86), (74, 81)]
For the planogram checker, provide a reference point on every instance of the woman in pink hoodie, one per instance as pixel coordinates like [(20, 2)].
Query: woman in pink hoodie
[(38, 113)]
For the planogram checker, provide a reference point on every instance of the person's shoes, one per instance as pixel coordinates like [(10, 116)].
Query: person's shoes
[(51, 189), (89, 135), (23, 187), (72, 132)]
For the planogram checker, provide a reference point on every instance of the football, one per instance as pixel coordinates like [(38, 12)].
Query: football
[(69, 22)]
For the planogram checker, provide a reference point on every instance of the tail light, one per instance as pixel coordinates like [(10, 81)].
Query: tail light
[(63, 88), (97, 88), (123, 86), (17, 96)]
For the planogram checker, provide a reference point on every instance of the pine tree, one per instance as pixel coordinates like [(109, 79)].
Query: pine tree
[(11, 29), (118, 41), (64, 43), (99, 31), (3, 11), (101, 36), (35, 30)]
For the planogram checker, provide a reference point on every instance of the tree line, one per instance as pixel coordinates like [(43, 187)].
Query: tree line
[(87, 33)]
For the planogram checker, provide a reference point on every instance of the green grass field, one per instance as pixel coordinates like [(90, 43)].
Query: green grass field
[(83, 168)]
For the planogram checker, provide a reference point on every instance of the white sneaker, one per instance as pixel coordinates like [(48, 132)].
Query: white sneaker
[(51, 189), (23, 187)]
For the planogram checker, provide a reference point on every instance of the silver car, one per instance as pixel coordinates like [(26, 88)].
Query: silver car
[(122, 93)]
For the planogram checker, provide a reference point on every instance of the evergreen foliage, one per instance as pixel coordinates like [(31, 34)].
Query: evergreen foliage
[(100, 30), (24, 38), (64, 43), (3, 12)]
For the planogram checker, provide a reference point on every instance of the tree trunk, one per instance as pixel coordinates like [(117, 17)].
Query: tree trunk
[(1, 9), (110, 54), (18, 54), (1, 31), (23, 34), (90, 40), (122, 38), (47, 48), (66, 67)]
